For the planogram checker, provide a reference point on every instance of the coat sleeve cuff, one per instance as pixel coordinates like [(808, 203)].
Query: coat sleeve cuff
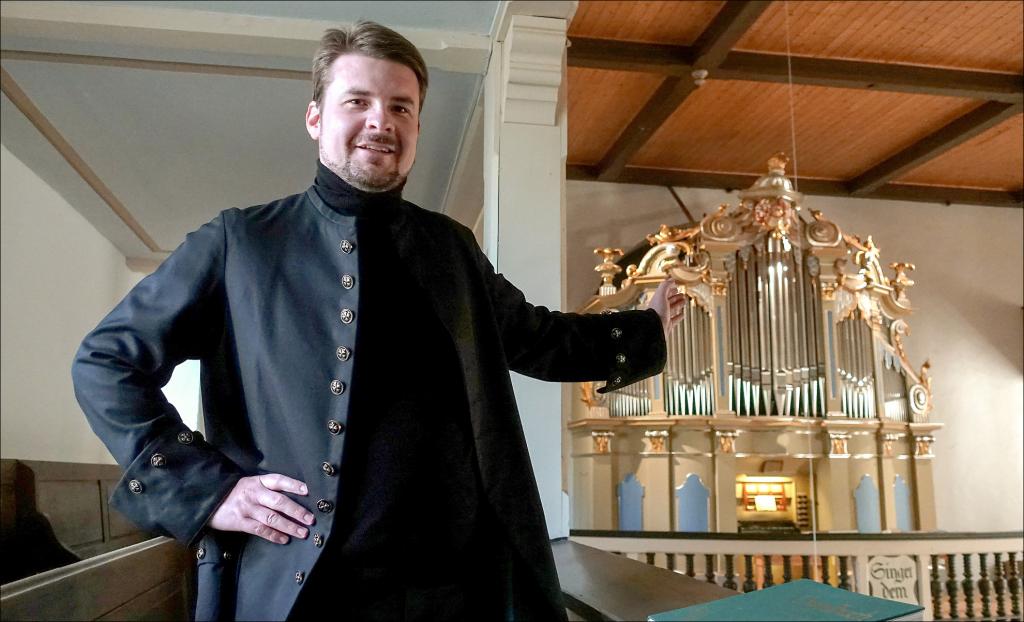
[(636, 343), (175, 484)]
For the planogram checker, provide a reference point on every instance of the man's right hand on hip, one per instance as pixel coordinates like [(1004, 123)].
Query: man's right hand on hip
[(255, 506)]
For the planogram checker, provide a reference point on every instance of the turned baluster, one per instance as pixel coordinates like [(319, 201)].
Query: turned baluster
[(844, 575), (984, 586), (1000, 583), (650, 558), (768, 579), (689, 565), (951, 587), (1014, 578), (748, 584), (824, 570), (730, 577), (806, 566), (968, 585), (709, 568), (787, 569), (936, 589)]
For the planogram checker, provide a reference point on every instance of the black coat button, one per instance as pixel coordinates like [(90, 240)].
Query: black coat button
[(347, 315), (135, 486), (200, 553), (335, 427), (620, 359), (318, 540), (337, 387), (299, 577), (325, 506), (158, 460), (185, 438), (347, 281), (347, 247), (343, 353), (327, 468), (227, 556), (616, 333)]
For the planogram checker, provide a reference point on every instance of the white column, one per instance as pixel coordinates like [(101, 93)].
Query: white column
[(524, 211)]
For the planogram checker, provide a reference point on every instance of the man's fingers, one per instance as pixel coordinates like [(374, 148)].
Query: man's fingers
[(283, 504), (256, 528), (274, 520), (276, 481)]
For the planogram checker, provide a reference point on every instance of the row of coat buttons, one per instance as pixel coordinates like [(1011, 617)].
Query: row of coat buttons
[(337, 388)]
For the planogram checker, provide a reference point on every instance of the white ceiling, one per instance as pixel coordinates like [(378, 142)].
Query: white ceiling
[(176, 147)]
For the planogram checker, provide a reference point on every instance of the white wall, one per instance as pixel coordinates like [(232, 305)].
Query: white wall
[(969, 300), (58, 278)]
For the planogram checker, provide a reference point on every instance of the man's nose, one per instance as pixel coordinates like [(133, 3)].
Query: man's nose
[(379, 119)]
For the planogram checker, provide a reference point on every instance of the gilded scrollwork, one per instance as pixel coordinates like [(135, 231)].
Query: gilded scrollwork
[(823, 232), (589, 396), (726, 441), (602, 441), (839, 444), (901, 281), (656, 438)]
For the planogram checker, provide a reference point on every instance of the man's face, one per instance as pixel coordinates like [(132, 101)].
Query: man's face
[(368, 123)]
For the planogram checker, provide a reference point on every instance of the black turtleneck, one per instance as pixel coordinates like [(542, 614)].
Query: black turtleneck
[(347, 200), (410, 493)]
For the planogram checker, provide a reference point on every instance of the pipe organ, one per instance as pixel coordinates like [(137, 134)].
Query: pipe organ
[(792, 327)]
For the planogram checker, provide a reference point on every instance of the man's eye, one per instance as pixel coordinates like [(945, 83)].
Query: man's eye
[(401, 109), (357, 102)]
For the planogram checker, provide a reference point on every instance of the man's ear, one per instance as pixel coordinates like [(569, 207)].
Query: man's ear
[(313, 120)]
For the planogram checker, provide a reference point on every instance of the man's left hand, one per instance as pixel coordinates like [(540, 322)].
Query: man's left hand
[(668, 303)]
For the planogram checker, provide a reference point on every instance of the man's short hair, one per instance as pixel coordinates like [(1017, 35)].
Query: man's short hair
[(367, 39)]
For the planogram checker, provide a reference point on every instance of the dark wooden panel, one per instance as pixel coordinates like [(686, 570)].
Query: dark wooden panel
[(73, 509), (128, 579), (602, 586), (55, 513), (166, 601)]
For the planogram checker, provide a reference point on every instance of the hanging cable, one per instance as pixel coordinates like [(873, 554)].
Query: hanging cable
[(796, 186)]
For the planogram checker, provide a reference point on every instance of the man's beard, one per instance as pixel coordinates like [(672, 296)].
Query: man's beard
[(363, 179)]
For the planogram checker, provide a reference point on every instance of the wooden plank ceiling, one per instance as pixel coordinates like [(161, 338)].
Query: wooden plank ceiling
[(906, 100)]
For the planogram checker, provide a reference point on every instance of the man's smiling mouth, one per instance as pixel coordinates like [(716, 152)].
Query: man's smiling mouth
[(377, 148)]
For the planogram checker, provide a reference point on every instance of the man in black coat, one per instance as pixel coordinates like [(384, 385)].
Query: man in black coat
[(364, 453)]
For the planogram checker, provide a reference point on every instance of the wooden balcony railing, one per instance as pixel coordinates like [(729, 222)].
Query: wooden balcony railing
[(973, 576)]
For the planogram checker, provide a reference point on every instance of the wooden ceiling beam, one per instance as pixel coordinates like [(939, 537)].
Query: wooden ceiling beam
[(671, 60), (873, 76), (819, 187), (968, 126), (707, 52)]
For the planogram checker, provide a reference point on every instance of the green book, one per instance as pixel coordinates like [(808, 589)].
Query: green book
[(796, 601)]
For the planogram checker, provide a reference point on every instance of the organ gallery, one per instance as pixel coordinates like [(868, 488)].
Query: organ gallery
[(787, 386)]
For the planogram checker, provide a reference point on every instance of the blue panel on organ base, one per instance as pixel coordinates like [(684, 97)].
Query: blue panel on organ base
[(869, 519), (901, 493), (631, 504), (693, 505)]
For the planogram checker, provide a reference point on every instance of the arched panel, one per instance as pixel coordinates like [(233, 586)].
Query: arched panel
[(692, 498), (631, 504), (904, 522), (869, 518)]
